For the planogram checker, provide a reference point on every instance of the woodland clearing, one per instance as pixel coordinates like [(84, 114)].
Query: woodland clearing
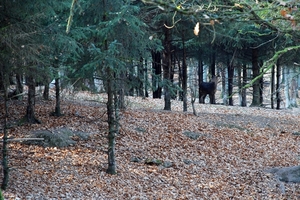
[(227, 157)]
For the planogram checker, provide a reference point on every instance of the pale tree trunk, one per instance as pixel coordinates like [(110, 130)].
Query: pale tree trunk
[(224, 75), (272, 86), (285, 80), (193, 83), (293, 88)]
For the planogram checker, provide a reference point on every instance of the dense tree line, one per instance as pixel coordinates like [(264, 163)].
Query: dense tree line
[(162, 49)]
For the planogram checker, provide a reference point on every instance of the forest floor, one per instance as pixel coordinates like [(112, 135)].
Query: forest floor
[(226, 156)]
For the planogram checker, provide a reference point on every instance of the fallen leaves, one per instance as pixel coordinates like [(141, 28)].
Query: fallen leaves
[(227, 158)]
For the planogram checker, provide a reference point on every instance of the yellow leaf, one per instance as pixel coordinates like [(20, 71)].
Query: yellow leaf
[(197, 29)]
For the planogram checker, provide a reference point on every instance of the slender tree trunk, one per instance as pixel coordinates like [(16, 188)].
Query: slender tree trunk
[(19, 86), (285, 80), (272, 86), (5, 137), (57, 111), (111, 125), (30, 115), (212, 68), (146, 78), (180, 77), (184, 77), (261, 90), (167, 67), (293, 87), (224, 75), (278, 94), (156, 77), (111, 169), (240, 84), (255, 70), (230, 82), (200, 76), (46, 92), (140, 78), (244, 90)]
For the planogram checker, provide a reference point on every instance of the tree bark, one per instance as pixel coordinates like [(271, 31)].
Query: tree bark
[(230, 82), (156, 77), (240, 84), (30, 115), (146, 79), (200, 75), (255, 70), (244, 90), (167, 67), (57, 111), (19, 86), (5, 136), (293, 88), (212, 68), (224, 75), (272, 86), (184, 77), (278, 94), (285, 80), (111, 125), (46, 92)]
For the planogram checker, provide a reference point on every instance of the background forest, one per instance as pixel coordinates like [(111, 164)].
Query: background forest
[(174, 53)]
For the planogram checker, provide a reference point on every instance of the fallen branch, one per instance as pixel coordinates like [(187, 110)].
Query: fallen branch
[(21, 139)]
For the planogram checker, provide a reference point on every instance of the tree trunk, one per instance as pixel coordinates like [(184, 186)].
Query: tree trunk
[(230, 82), (30, 115), (184, 77), (293, 88), (111, 125), (224, 75), (200, 75), (5, 136), (240, 84), (244, 90), (19, 86), (285, 80), (255, 70), (156, 77), (272, 86), (140, 78), (278, 94), (212, 68), (57, 111), (167, 67), (261, 90), (46, 92), (146, 79)]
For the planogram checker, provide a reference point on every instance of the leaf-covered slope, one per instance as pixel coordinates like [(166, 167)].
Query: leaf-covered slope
[(228, 158)]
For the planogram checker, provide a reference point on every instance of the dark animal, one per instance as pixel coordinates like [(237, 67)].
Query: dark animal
[(208, 88)]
